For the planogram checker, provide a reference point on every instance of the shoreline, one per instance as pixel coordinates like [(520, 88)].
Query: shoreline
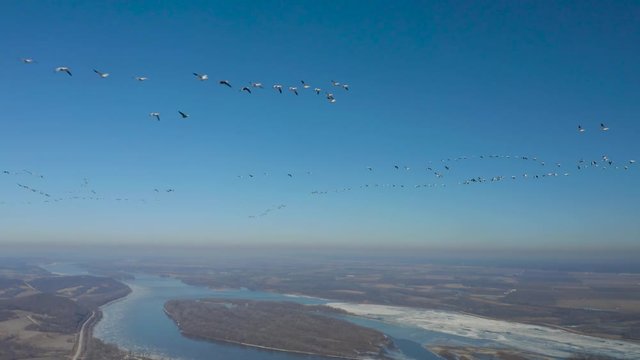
[(94, 319)]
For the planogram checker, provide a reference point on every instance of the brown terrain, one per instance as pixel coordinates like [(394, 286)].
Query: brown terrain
[(47, 317), (281, 326)]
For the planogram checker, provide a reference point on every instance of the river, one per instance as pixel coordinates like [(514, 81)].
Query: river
[(138, 322)]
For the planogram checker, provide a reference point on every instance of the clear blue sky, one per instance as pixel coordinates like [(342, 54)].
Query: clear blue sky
[(428, 80)]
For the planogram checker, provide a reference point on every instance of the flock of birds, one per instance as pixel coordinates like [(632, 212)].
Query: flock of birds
[(84, 192), (439, 171), (248, 89)]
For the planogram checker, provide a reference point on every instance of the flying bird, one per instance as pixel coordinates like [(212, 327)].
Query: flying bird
[(28, 60), (201, 77), (317, 90), (278, 87), (256, 85), (141, 78), (246, 89), (155, 114), (293, 89), (345, 86), (580, 129), (183, 115), (603, 127), (305, 85), (225, 82), (64, 69), (101, 74), (331, 98), (335, 83)]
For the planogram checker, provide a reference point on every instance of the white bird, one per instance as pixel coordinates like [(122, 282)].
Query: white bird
[(155, 114), (278, 87), (141, 78), (603, 127), (64, 69), (293, 89), (305, 85), (201, 77), (330, 98), (184, 115), (632, 161), (335, 83), (28, 60), (256, 85), (345, 86), (101, 74), (580, 129)]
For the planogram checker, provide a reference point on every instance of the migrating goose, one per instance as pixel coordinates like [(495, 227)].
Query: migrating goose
[(345, 86), (330, 98), (141, 78), (256, 85), (28, 60), (184, 115), (201, 77), (317, 90), (155, 115), (305, 85), (278, 87), (603, 127), (580, 129), (246, 89), (224, 82), (64, 69), (293, 89), (335, 83), (101, 74)]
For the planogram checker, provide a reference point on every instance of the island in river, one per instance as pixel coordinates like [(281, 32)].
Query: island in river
[(280, 326)]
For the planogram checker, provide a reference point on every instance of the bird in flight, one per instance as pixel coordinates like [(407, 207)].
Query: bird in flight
[(141, 78), (101, 74), (256, 85), (603, 127), (317, 90), (305, 85), (183, 115), (345, 86), (64, 69), (278, 87), (225, 82), (28, 60), (246, 89), (155, 115), (331, 98), (201, 77), (580, 129), (293, 89)]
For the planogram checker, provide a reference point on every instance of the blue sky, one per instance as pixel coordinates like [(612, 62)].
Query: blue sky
[(428, 81)]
